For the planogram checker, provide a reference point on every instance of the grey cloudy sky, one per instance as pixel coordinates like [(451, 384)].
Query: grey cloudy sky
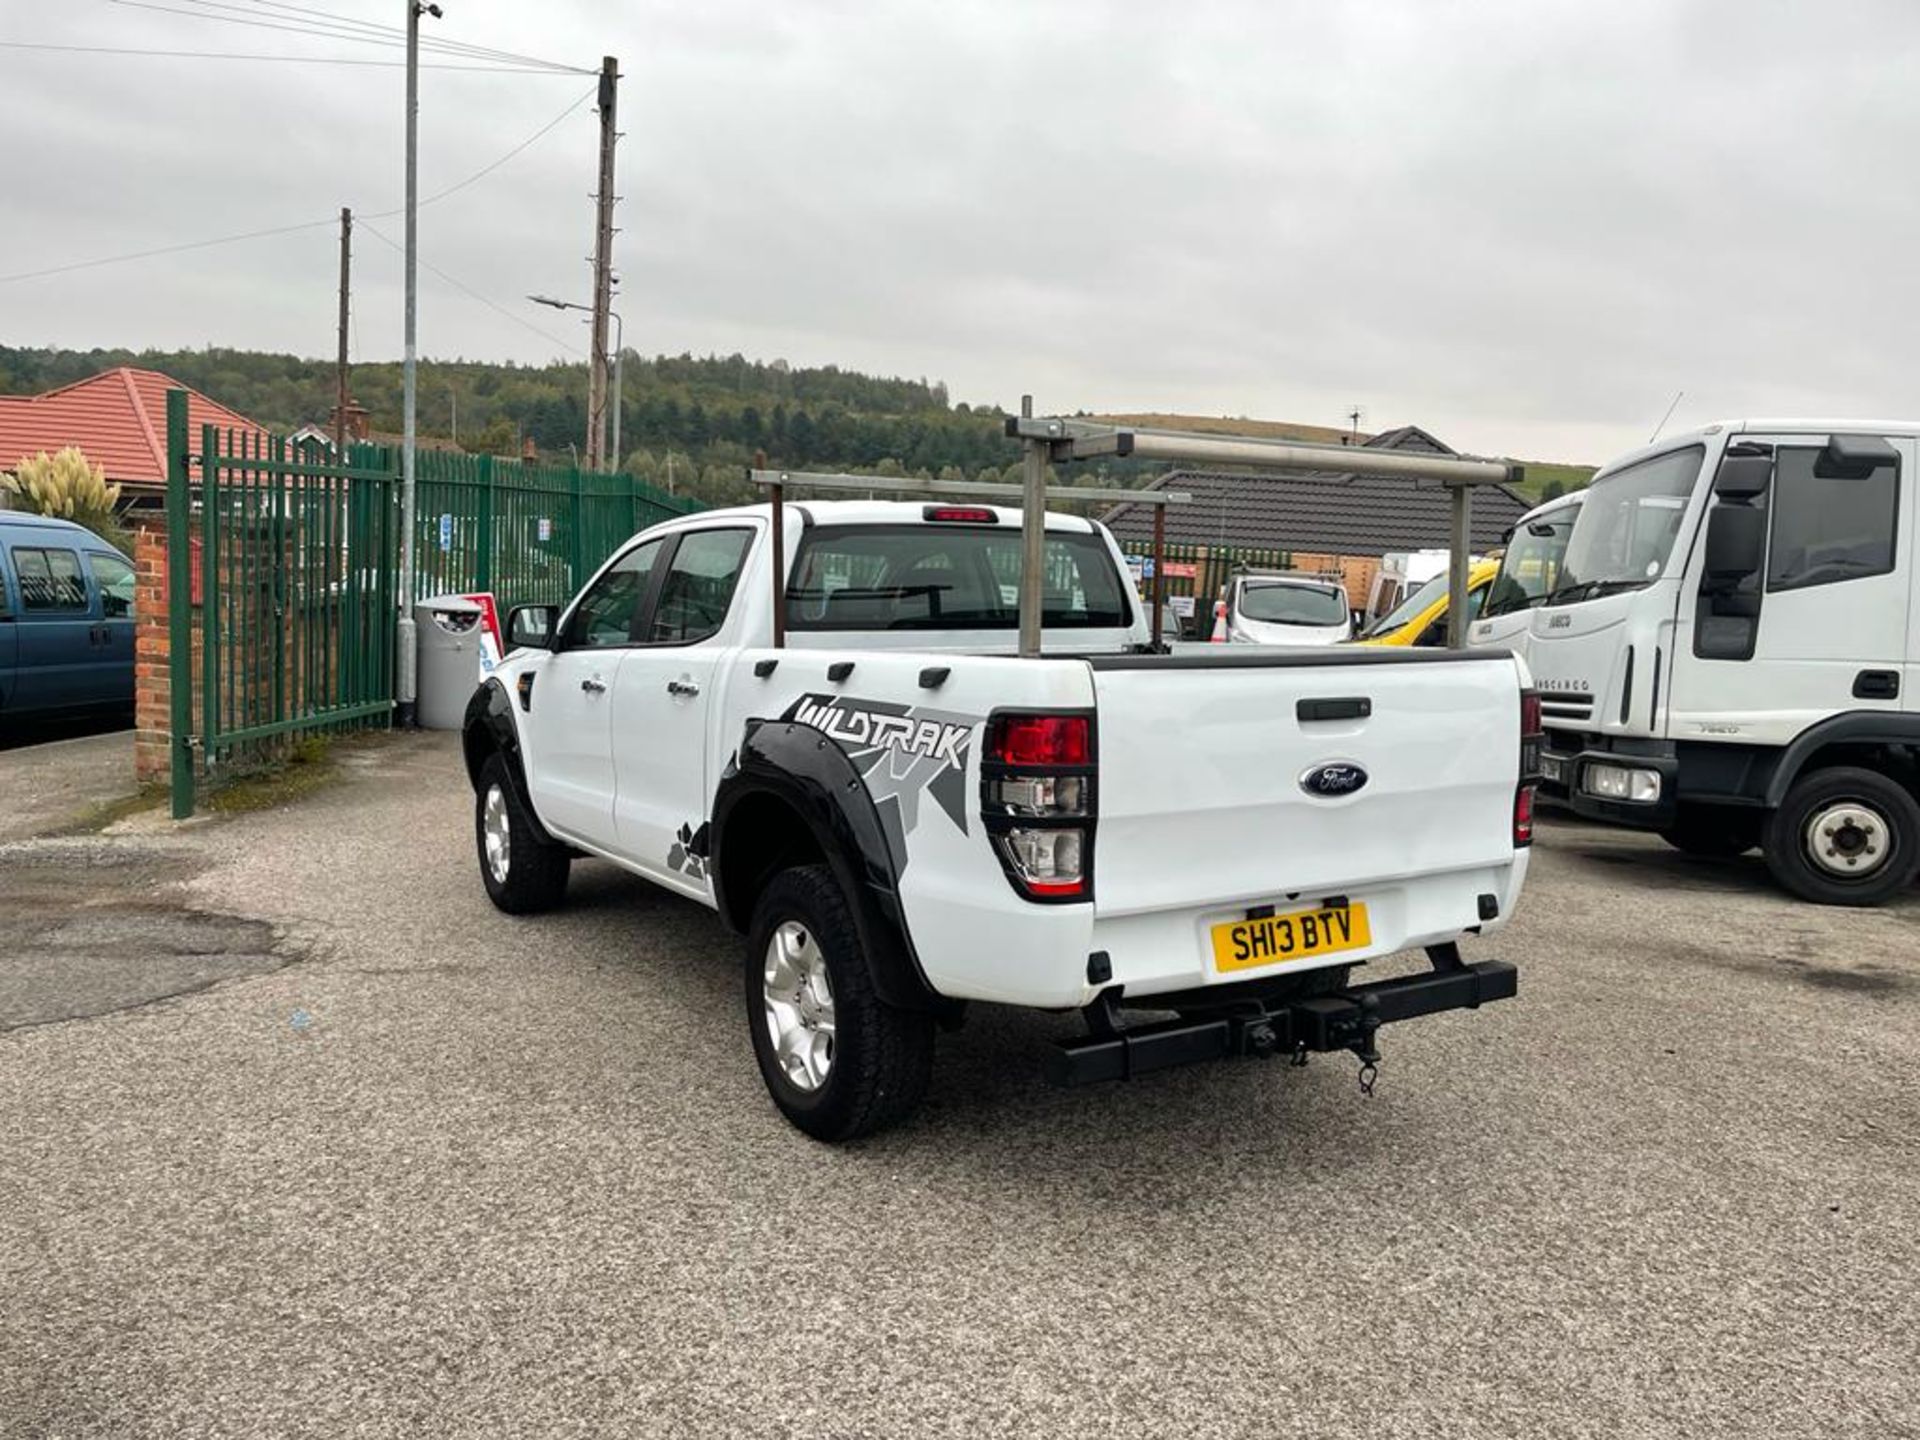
[(1523, 224)]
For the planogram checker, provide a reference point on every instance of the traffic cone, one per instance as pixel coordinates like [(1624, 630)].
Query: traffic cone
[(1219, 636)]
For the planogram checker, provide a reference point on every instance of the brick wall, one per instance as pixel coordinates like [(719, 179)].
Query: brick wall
[(152, 649)]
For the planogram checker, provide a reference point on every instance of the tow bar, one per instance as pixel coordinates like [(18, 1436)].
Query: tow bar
[(1346, 1019)]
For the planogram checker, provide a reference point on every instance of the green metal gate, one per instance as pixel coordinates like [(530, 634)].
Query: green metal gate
[(292, 587)]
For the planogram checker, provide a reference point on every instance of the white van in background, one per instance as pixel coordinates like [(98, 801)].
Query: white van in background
[(1529, 570), (1401, 573)]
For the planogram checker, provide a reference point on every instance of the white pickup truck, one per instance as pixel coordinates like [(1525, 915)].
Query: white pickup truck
[(904, 816)]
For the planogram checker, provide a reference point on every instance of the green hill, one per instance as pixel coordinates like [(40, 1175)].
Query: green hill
[(694, 423)]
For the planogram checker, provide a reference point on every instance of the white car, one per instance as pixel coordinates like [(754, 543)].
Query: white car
[(1285, 610), (904, 816)]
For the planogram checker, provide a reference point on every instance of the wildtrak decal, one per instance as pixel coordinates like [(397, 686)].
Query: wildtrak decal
[(858, 728), (902, 752)]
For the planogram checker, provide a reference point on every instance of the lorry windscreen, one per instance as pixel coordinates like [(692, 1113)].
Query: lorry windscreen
[(948, 577), (1531, 567), (1628, 523)]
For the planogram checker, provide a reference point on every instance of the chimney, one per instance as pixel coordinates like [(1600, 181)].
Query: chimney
[(529, 452)]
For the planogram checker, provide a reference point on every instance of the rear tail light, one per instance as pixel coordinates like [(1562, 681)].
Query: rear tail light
[(1523, 817), (1036, 791), (1531, 738), (1039, 740)]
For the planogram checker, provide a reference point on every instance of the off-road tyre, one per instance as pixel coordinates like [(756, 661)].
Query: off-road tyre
[(1834, 791), (533, 876), (881, 1057)]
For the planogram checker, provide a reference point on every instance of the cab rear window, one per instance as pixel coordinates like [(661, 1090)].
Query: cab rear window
[(947, 577)]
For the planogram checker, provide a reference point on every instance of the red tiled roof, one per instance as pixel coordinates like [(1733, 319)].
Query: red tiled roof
[(118, 418)]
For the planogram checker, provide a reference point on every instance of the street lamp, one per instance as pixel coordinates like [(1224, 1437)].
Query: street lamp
[(619, 348)]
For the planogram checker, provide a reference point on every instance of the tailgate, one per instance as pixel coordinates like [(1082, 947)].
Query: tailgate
[(1205, 759)]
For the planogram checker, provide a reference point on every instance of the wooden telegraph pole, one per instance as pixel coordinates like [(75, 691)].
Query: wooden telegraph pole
[(602, 269), (340, 365)]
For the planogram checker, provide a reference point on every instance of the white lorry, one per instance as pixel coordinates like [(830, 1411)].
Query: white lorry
[(903, 816), (1729, 655), (1529, 569)]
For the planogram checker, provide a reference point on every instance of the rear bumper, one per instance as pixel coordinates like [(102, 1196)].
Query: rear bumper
[(1341, 1020)]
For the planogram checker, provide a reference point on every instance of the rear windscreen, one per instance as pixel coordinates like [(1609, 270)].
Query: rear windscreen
[(1293, 604), (947, 577)]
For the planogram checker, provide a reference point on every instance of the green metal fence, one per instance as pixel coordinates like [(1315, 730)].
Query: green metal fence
[(281, 619), (293, 591), (530, 533)]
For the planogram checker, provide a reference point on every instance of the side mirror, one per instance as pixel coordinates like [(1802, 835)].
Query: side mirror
[(530, 627), (1853, 457), (1743, 477), (1736, 544)]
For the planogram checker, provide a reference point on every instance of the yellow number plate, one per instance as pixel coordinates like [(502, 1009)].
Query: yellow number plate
[(1298, 935)]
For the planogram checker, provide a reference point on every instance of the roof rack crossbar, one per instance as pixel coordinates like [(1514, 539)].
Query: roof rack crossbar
[(912, 485)]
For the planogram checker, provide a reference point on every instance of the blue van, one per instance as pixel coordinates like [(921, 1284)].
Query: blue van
[(66, 620)]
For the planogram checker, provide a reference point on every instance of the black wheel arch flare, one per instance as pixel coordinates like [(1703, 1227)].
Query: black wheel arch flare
[(487, 729), (810, 775)]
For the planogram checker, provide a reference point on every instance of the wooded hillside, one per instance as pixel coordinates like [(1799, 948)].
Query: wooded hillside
[(691, 423)]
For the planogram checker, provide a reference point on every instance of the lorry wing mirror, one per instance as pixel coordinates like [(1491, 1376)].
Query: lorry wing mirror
[(1736, 541), (1743, 477), (530, 627), (1853, 457)]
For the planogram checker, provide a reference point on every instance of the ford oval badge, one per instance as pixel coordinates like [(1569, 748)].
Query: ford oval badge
[(1334, 779)]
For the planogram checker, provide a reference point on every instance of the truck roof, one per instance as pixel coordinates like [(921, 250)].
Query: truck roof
[(891, 512), (1760, 425)]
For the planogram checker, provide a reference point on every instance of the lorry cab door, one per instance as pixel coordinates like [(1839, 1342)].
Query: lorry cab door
[(1834, 602), (663, 704), (568, 725), (56, 631), (9, 635)]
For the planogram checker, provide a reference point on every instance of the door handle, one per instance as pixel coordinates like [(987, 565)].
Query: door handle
[(682, 687), (594, 685)]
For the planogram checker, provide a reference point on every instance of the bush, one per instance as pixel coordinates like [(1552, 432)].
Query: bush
[(68, 486)]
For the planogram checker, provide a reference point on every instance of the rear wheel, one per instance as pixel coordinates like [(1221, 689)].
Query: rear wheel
[(1845, 836), (523, 871), (1715, 831), (838, 1061)]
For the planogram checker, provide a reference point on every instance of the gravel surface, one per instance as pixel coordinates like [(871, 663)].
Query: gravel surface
[(450, 1173)]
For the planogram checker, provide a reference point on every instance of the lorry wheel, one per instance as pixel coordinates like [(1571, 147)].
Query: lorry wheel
[(838, 1062), (1715, 831), (1845, 836), (522, 869)]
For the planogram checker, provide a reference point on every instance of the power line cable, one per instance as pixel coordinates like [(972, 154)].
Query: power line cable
[(291, 59), (293, 25), (398, 33), (474, 294), (479, 174)]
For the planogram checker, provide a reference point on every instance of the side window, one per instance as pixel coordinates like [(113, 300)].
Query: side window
[(605, 613), (698, 586), (50, 580), (114, 579), (1826, 530)]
